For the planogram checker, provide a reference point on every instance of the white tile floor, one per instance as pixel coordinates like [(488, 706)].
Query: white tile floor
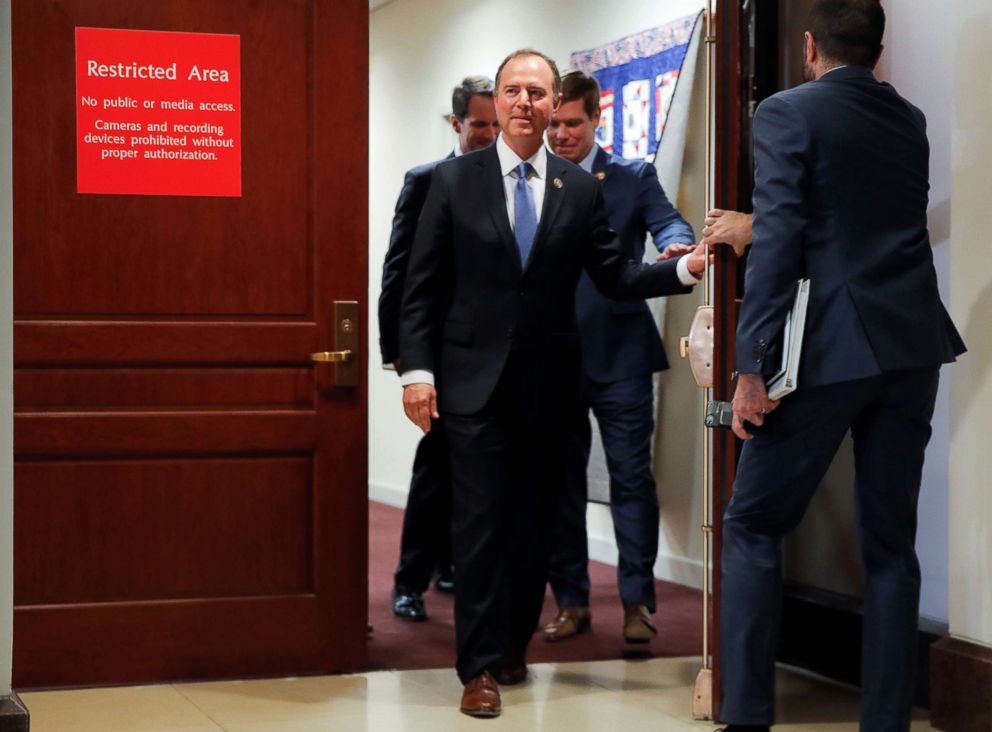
[(647, 695)]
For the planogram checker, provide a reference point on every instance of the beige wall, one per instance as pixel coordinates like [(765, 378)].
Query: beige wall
[(420, 49), (6, 361), (970, 84)]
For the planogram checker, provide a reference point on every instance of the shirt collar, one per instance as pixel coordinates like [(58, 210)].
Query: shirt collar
[(830, 71), (589, 159), (509, 160), (457, 152)]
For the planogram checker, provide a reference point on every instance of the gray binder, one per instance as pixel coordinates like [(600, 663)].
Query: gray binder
[(786, 379)]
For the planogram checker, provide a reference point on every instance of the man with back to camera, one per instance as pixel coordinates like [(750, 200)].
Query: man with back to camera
[(425, 544), (502, 239), (621, 349), (841, 186)]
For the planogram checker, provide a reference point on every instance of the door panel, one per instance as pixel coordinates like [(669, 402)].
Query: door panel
[(190, 490)]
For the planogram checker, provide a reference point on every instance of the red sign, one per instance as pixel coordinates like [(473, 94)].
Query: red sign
[(158, 113)]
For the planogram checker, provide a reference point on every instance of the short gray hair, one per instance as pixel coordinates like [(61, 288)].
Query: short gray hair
[(462, 94)]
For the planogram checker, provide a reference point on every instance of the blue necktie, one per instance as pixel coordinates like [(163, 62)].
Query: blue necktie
[(524, 213)]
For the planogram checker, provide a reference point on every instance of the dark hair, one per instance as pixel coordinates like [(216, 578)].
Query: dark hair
[(848, 31), (462, 94), (556, 81), (577, 84)]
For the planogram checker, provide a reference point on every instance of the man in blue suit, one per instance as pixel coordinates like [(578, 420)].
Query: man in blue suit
[(425, 544), (841, 188), (621, 349)]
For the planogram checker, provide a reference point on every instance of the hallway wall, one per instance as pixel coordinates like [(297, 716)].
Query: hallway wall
[(6, 358), (969, 89)]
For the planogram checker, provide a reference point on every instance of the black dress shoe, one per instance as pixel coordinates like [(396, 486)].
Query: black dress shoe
[(409, 605), (514, 669), (445, 580), (744, 728)]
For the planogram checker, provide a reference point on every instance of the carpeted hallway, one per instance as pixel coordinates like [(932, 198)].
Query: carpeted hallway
[(397, 644)]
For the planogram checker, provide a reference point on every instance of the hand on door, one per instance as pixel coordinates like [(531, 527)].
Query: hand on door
[(420, 404)]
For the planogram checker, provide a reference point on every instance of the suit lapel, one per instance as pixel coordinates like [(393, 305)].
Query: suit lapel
[(495, 196), (554, 191)]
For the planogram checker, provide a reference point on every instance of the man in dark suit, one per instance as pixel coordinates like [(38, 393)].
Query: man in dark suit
[(425, 544), (621, 349), (841, 186), (489, 307)]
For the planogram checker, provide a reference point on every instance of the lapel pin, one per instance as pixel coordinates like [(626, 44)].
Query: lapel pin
[(601, 175), (558, 183)]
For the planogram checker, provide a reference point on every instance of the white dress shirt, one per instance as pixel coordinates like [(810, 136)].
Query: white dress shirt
[(508, 162)]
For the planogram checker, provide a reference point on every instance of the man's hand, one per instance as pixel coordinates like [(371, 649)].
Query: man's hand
[(751, 404), (420, 404), (727, 227), (696, 260), (673, 250)]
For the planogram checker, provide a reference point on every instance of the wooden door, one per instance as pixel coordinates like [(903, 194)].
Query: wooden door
[(190, 489)]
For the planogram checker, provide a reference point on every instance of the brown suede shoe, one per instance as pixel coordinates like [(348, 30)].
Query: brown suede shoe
[(637, 625), (569, 621), (480, 697), (514, 669)]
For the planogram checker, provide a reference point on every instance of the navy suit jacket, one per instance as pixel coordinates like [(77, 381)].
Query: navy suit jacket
[(841, 192), (469, 300), (619, 338), (416, 183)]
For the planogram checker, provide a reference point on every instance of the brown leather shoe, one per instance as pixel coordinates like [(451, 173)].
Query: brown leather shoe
[(637, 625), (569, 621), (514, 669), (480, 697)]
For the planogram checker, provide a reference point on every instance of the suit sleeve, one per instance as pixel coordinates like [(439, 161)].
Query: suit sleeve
[(614, 273), (782, 159), (660, 217), (423, 294), (408, 206)]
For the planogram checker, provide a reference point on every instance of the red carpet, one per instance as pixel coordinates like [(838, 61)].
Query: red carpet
[(397, 644)]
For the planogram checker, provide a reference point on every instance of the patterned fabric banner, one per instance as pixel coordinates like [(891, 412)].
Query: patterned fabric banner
[(637, 77)]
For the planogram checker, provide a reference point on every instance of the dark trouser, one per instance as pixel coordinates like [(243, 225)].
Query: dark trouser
[(889, 418), (625, 412), (506, 470), (426, 540)]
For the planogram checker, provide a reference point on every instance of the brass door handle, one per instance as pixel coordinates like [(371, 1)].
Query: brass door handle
[(332, 356)]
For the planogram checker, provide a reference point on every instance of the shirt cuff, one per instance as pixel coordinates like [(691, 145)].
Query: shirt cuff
[(417, 376), (686, 277)]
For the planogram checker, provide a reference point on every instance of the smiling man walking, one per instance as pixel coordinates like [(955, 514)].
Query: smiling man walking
[(504, 234)]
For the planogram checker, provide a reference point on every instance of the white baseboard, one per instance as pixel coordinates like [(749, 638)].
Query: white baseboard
[(602, 548), (391, 495), (667, 568)]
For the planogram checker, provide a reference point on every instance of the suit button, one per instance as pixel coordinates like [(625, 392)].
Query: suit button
[(509, 333)]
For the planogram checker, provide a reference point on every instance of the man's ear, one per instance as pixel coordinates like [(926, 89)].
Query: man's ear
[(455, 124), (557, 103), (595, 118), (812, 53)]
